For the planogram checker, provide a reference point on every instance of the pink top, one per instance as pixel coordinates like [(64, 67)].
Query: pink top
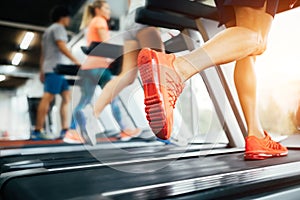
[(94, 62)]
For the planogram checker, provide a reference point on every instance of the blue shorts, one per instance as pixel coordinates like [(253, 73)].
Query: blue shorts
[(55, 83)]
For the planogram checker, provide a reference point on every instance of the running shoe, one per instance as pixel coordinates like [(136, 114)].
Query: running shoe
[(63, 133), (260, 149), (73, 137), (167, 142), (88, 124), (39, 135), (128, 134), (162, 86)]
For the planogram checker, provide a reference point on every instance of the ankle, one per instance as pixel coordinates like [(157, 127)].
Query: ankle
[(257, 134), (182, 67), (96, 113)]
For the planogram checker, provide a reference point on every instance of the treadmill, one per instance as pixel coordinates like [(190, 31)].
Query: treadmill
[(165, 172)]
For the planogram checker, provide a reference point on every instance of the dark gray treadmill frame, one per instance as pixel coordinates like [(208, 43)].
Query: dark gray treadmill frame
[(208, 182), (266, 172), (4, 177)]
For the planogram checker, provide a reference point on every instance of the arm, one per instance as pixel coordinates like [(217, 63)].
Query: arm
[(63, 48), (42, 75)]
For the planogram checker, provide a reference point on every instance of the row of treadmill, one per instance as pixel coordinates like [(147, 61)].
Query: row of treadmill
[(149, 169)]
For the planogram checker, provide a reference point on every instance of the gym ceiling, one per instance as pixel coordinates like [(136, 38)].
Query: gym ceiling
[(20, 16)]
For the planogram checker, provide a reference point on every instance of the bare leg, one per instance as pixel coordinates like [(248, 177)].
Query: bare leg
[(64, 109), (241, 43), (147, 37), (150, 37), (43, 110), (126, 77), (247, 38), (245, 83), (297, 116)]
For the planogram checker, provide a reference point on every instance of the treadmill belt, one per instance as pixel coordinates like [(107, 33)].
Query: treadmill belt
[(106, 181)]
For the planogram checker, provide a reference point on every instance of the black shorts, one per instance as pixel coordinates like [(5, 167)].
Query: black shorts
[(226, 11)]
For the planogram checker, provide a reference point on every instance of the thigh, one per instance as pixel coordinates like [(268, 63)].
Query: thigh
[(48, 97), (66, 95), (130, 54), (150, 37), (227, 13), (254, 18)]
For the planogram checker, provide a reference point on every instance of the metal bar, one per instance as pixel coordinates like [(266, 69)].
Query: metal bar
[(151, 159), (233, 105), (66, 149), (217, 93)]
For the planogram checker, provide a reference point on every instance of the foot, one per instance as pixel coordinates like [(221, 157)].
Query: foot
[(162, 86), (39, 135), (73, 137), (259, 149), (63, 133), (128, 134), (89, 125)]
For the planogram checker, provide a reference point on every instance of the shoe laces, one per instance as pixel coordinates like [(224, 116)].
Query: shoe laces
[(273, 145), (174, 89)]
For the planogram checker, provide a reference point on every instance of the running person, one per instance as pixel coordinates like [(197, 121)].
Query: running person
[(53, 49), (136, 36), (94, 72), (248, 23)]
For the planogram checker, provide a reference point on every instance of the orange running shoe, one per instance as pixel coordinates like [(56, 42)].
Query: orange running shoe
[(128, 134), (259, 149), (73, 137), (162, 86)]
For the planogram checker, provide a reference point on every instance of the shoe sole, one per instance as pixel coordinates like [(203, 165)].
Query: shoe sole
[(262, 155), (82, 125), (129, 137), (149, 76), (70, 141)]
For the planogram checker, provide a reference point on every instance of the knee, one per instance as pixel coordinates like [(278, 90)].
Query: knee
[(66, 99), (129, 77), (47, 99), (260, 44)]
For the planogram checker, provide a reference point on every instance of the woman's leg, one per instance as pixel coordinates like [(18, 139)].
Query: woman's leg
[(150, 37), (147, 37), (125, 78), (87, 88), (64, 109)]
